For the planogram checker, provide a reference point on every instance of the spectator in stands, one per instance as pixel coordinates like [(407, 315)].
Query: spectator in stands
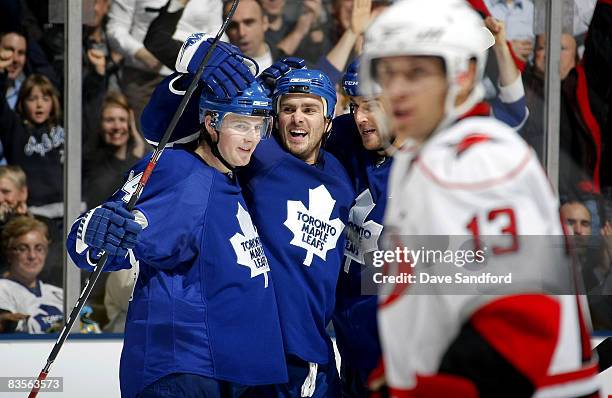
[(13, 192), (100, 72), (569, 56), (142, 71), (27, 58), (160, 42), (583, 12), (96, 39), (583, 110), (577, 218), (13, 199), (593, 254), (33, 139), (578, 223), (121, 145), (26, 303), (594, 94), (304, 38), (349, 29), (247, 31), (509, 104), (518, 15), (16, 43), (176, 22)]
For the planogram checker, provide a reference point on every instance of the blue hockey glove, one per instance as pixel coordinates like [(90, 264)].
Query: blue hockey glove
[(228, 71), (271, 74), (112, 228), (164, 101)]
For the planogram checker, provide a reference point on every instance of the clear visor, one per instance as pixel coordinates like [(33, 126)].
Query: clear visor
[(258, 127)]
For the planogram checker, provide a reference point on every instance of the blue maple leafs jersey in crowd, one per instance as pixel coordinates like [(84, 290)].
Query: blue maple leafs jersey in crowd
[(301, 211), (355, 316), (204, 301), (43, 303)]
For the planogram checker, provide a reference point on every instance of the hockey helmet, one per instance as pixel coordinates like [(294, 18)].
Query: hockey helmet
[(307, 81), (449, 29), (350, 80), (253, 101)]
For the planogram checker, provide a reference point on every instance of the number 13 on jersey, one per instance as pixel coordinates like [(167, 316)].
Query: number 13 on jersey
[(500, 221)]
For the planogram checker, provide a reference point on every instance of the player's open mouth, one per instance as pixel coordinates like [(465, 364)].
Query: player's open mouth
[(298, 133), (368, 132)]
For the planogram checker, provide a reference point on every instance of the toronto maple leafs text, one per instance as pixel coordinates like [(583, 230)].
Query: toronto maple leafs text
[(315, 232), (255, 249)]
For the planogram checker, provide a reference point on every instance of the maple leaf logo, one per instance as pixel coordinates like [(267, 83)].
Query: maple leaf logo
[(361, 237), (129, 187), (312, 229), (248, 247)]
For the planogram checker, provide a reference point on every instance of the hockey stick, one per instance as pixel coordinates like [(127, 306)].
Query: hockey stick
[(91, 281), (604, 352)]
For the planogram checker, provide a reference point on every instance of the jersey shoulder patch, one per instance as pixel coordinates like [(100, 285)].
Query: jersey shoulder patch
[(475, 153)]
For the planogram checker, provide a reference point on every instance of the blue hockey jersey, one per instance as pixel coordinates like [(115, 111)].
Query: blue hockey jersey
[(355, 319), (204, 301), (301, 211)]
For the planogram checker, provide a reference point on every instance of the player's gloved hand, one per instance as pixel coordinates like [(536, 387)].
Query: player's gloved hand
[(112, 228), (272, 73), (227, 72), (160, 109)]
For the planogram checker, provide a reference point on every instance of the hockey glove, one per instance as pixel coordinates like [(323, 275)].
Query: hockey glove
[(112, 228), (164, 101), (228, 71), (271, 74)]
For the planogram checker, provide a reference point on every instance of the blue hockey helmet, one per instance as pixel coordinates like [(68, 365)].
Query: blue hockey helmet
[(307, 81), (253, 101), (350, 80)]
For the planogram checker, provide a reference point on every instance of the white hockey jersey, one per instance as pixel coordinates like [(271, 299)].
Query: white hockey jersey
[(478, 178), (43, 304)]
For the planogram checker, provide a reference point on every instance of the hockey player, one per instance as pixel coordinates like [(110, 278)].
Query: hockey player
[(461, 173), (300, 197), (203, 319), (357, 143)]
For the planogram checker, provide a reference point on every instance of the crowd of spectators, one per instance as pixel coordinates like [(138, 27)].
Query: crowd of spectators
[(130, 45)]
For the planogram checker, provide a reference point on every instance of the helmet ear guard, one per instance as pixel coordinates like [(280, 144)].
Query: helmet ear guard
[(214, 119)]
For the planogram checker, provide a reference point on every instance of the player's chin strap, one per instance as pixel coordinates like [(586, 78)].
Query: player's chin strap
[(328, 131), (214, 148)]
